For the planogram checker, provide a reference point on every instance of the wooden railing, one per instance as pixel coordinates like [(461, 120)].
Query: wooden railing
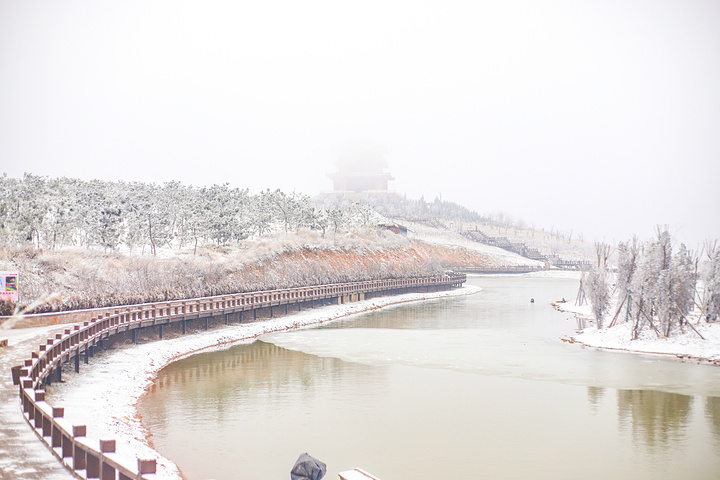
[(68, 441)]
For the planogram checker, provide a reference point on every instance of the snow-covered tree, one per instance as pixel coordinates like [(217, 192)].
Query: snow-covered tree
[(31, 208), (598, 292), (224, 213), (9, 208), (661, 289), (603, 252), (626, 266), (683, 281), (64, 216), (291, 209), (306, 213), (710, 277), (262, 212), (321, 221), (641, 292), (337, 219), (133, 218)]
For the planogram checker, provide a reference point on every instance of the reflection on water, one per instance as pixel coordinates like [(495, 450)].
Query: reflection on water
[(594, 396), (248, 368), (712, 413), (249, 411), (658, 417), (383, 391), (248, 403), (257, 370)]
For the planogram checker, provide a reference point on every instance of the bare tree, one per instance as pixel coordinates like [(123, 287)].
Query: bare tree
[(603, 252)]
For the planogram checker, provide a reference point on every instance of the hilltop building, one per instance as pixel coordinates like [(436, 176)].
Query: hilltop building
[(362, 172)]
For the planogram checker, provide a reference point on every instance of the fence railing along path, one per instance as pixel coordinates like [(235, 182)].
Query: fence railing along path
[(69, 442)]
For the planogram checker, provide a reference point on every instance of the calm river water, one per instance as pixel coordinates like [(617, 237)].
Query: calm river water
[(478, 386)]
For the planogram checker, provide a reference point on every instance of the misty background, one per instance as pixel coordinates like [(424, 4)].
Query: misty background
[(601, 117)]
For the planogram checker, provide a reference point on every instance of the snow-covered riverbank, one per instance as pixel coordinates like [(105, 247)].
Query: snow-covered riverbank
[(687, 345), (104, 395)]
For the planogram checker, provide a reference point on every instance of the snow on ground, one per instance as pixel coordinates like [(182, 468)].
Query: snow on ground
[(21, 454), (547, 243), (554, 273), (449, 238), (19, 335), (686, 345), (105, 393)]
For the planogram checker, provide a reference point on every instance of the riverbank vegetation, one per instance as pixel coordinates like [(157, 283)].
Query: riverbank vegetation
[(654, 285)]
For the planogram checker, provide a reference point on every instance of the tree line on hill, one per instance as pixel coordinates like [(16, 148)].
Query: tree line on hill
[(61, 212), (58, 212)]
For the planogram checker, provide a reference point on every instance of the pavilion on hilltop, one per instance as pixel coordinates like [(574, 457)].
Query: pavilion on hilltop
[(362, 171)]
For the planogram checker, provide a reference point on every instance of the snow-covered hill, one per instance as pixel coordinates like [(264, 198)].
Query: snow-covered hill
[(86, 278)]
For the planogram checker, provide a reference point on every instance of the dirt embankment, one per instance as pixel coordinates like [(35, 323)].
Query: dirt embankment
[(92, 279)]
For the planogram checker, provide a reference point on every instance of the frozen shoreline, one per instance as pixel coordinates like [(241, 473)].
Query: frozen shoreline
[(684, 346), (105, 393)]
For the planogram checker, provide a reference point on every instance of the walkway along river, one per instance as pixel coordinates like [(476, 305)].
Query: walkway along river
[(68, 440)]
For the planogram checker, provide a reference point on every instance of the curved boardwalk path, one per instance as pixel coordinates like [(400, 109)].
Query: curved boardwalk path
[(66, 440), (22, 456)]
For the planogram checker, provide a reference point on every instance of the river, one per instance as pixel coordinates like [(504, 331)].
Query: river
[(477, 386)]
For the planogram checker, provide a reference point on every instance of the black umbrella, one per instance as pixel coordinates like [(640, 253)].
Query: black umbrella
[(307, 468)]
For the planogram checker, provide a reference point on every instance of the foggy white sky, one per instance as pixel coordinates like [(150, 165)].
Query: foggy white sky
[(597, 116)]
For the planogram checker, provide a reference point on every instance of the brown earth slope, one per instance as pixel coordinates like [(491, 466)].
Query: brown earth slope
[(88, 278)]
